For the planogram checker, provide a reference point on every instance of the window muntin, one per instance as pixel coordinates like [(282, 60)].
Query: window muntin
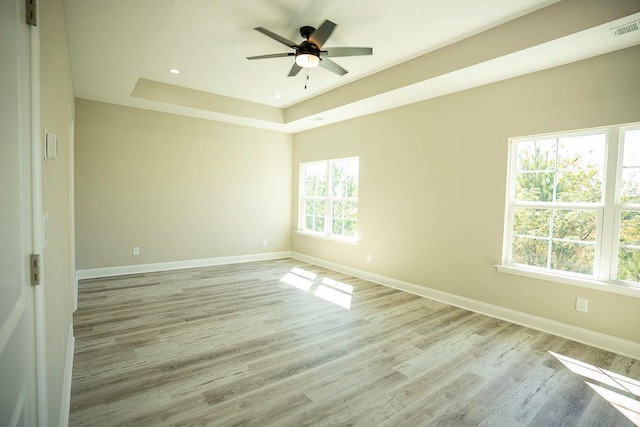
[(329, 197), (557, 204)]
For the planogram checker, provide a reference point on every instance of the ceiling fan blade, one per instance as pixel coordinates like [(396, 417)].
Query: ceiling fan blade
[(273, 55), (334, 52), (328, 64), (276, 37), (294, 70), (319, 36)]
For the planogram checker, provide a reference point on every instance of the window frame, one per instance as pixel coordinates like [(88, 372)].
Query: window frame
[(328, 200), (607, 244)]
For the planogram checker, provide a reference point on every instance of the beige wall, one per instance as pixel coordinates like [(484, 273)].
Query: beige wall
[(57, 104), (179, 188), (432, 185)]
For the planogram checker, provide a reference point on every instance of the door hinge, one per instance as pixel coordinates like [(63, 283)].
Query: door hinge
[(32, 12), (35, 269)]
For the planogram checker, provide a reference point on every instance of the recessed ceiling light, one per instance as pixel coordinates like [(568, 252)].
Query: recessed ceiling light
[(277, 96), (173, 71)]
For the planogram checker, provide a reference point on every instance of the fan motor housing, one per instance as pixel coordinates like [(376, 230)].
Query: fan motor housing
[(306, 31), (309, 48)]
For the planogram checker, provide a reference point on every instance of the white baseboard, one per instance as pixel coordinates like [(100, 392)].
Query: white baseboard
[(574, 333), (92, 273), (65, 404)]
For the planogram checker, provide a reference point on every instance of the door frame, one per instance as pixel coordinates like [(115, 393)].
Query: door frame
[(38, 229)]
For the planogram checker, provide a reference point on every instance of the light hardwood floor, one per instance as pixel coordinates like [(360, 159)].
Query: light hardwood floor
[(272, 343)]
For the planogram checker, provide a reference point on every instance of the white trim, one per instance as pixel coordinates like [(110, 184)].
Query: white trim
[(9, 325), (92, 273), (347, 240), (585, 336), (38, 231), (72, 209), (65, 404), (573, 280)]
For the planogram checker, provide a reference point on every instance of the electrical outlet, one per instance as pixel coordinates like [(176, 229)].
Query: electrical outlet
[(264, 242), (582, 304), (136, 251), (368, 259)]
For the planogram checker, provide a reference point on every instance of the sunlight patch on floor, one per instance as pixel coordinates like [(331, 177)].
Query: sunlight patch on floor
[(328, 289), (297, 281), (625, 400)]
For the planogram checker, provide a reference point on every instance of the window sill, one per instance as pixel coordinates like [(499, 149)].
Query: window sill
[(599, 285), (347, 240)]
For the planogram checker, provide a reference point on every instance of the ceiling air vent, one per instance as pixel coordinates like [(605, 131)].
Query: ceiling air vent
[(626, 28)]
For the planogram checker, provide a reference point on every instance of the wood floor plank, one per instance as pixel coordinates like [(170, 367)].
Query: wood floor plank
[(287, 343)]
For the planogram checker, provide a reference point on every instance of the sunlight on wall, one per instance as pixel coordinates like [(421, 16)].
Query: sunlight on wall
[(328, 289), (624, 400)]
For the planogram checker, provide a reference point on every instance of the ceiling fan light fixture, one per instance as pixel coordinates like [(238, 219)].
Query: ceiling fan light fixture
[(307, 60)]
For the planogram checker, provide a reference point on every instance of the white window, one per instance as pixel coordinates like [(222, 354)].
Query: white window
[(573, 205), (329, 198)]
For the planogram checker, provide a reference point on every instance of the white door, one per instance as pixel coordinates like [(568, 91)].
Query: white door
[(17, 332)]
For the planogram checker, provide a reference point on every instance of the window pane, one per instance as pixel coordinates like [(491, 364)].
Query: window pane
[(349, 228), (309, 188), (337, 227), (344, 218), (338, 188), (630, 186), (579, 185), (315, 180), (351, 189), (630, 191), (580, 166), (308, 222), (630, 228), (535, 186), (339, 169), (319, 224), (345, 178), (350, 210), (318, 207), (629, 264), (579, 225), (351, 183), (310, 172), (321, 184), (531, 222), (321, 188), (530, 251), (632, 148), (574, 257), (338, 209), (586, 151), (536, 155)]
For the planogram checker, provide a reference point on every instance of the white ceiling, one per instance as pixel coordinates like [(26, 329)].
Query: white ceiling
[(114, 43)]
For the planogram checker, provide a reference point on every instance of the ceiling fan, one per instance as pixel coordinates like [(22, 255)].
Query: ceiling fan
[(309, 53)]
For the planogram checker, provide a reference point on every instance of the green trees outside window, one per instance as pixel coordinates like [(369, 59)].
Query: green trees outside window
[(557, 203)]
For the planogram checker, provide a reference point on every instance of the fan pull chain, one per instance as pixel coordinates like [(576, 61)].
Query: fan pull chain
[(306, 80)]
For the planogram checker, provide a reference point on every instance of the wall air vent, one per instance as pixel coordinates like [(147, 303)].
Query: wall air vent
[(626, 28)]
